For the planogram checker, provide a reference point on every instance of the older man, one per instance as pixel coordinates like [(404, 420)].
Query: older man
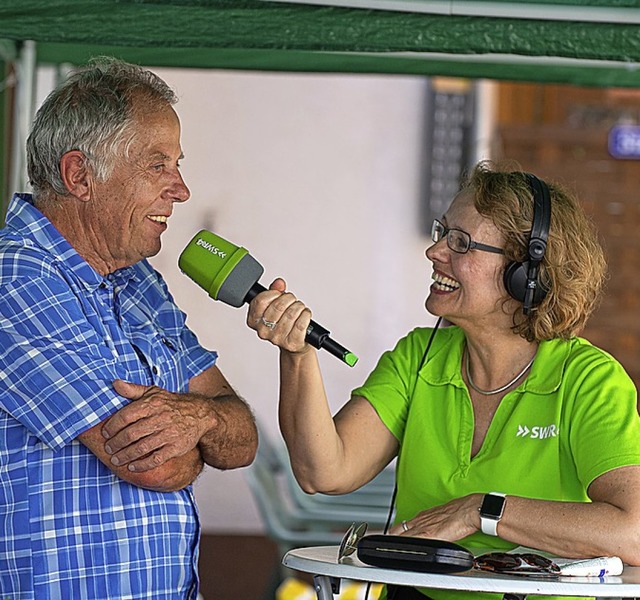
[(109, 407)]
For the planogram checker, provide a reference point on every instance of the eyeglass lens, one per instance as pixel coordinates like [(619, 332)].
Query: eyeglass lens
[(457, 240)]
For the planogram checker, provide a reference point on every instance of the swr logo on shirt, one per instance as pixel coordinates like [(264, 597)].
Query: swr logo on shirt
[(538, 433)]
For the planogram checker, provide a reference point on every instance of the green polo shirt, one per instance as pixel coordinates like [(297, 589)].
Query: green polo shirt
[(571, 420)]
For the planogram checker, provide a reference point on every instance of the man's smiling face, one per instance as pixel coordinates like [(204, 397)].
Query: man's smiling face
[(128, 212)]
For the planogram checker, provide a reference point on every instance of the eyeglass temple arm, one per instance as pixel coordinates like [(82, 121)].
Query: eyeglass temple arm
[(486, 248)]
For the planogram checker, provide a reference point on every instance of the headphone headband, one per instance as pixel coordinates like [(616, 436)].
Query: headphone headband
[(541, 218), (521, 278)]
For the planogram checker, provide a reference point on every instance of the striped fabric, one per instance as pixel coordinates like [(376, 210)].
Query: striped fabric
[(69, 528)]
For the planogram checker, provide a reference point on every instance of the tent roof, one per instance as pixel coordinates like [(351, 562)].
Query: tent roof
[(593, 42)]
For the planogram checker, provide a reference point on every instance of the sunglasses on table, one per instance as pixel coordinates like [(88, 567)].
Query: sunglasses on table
[(516, 563), (525, 563)]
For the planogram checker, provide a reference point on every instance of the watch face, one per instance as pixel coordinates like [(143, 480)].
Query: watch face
[(492, 506)]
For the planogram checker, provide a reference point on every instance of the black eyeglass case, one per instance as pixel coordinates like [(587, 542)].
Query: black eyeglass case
[(414, 554)]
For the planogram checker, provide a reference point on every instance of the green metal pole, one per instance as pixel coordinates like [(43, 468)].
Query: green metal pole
[(7, 97), (4, 137)]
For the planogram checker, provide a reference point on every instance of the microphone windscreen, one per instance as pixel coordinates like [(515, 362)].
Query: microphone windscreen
[(225, 271)]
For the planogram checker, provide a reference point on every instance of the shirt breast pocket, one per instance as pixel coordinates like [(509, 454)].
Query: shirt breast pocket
[(158, 342)]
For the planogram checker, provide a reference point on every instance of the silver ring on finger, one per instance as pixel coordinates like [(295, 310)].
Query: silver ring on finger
[(405, 527), (269, 324)]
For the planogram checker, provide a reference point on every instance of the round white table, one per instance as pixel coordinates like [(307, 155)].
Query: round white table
[(322, 562)]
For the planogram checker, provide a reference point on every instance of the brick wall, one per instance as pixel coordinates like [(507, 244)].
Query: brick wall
[(561, 133)]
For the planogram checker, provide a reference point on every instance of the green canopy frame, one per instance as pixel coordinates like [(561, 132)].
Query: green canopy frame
[(591, 42)]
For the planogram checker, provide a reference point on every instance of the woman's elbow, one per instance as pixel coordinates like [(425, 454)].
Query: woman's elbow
[(630, 552), (313, 483)]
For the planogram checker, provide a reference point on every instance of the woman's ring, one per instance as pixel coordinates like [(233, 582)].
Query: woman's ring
[(269, 324), (405, 527)]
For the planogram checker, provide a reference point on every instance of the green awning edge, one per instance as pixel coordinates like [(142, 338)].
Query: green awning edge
[(608, 75)]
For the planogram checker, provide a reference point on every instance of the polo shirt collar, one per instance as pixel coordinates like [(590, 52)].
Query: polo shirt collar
[(443, 364)]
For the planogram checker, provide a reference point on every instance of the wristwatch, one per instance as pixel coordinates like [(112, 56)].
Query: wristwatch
[(491, 512)]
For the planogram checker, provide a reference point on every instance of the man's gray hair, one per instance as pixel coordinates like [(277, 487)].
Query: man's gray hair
[(92, 111)]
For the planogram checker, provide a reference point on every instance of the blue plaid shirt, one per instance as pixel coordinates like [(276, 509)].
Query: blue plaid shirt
[(69, 528)]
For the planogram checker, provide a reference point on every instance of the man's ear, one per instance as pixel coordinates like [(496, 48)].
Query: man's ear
[(76, 174)]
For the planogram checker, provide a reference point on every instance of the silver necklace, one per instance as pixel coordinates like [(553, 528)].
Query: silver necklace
[(506, 386)]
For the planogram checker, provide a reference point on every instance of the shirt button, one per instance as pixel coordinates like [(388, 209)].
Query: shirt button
[(155, 369)]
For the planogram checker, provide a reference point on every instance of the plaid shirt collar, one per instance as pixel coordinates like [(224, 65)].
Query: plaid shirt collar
[(23, 216)]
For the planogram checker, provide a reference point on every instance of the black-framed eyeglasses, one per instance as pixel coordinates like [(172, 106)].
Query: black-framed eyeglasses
[(458, 240)]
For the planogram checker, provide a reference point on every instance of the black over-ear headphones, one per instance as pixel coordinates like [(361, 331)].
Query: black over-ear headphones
[(521, 278)]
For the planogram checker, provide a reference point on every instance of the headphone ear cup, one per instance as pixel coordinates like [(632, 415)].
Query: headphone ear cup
[(515, 279)]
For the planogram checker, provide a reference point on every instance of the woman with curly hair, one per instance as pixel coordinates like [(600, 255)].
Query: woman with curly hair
[(510, 429)]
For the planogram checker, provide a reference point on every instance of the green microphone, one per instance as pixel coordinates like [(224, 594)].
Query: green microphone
[(230, 274)]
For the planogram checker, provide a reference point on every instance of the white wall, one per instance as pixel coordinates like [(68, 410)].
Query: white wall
[(318, 176)]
